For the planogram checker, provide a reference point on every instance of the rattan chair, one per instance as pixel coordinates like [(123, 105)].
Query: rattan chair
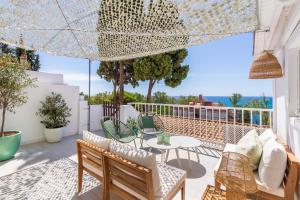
[(236, 174), (149, 124), (117, 130)]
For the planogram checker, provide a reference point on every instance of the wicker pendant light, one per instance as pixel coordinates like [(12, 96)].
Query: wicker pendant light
[(265, 66)]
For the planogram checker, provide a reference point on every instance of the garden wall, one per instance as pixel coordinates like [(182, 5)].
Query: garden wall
[(25, 118)]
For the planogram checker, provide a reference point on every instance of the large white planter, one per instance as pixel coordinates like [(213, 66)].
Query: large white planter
[(53, 134)]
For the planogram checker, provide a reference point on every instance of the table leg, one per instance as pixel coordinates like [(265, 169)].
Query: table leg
[(150, 149), (197, 154), (162, 156), (167, 155), (189, 157), (178, 159)]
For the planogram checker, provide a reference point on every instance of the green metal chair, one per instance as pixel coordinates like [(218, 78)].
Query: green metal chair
[(149, 124), (117, 130)]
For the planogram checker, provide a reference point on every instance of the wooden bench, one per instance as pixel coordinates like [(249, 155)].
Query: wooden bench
[(125, 178), (90, 159)]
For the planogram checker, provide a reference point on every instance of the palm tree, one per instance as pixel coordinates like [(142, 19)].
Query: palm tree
[(235, 99), (235, 102)]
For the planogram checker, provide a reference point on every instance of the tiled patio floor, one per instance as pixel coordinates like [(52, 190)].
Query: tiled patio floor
[(31, 155)]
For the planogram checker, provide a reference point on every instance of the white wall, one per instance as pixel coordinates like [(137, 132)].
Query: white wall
[(286, 97), (96, 116), (25, 118)]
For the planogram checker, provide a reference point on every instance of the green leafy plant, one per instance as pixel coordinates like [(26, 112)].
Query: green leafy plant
[(54, 111), (132, 123), (13, 80)]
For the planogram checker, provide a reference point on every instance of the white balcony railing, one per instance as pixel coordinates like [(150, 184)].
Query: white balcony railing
[(214, 124)]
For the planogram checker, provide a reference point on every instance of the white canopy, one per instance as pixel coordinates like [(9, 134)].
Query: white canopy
[(121, 29)]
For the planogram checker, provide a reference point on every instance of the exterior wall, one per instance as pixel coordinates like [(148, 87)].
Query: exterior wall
[(25, 118), (286, 96), (96, 116), (284, 39)]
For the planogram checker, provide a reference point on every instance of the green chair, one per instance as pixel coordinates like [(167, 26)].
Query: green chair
[(149, 124), (117, 130)]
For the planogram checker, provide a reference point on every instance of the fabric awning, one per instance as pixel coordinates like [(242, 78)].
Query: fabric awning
[(117, 30)]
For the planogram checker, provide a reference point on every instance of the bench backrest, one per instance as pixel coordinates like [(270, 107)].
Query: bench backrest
[(91, 155), (127, 179), (291, 176)]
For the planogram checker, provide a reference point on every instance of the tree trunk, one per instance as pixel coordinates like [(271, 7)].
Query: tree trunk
[(3, 120), (121, 94), (115, 93), (151, 84)]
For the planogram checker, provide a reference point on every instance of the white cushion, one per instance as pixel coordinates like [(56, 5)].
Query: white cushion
[(251, 146), (266, 136), (169, 178), (263, 187), (140, 157), (272, 165), (96, 140)]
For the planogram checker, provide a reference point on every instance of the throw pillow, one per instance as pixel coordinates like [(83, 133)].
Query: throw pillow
[(251, 146), (272, 165)]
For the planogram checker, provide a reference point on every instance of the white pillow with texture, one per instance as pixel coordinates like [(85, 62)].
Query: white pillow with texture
[(251, 147), (272, 165), (141, 157), (96, 140), (267, 135)]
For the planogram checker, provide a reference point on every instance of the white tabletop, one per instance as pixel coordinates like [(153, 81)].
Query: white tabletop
[(186, 141), (174, 143)]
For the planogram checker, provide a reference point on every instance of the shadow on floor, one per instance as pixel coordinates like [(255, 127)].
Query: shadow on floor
[(194, 171)]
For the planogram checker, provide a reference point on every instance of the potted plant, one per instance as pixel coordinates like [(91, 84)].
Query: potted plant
[(54, 113), (132, 124), (13, 80)]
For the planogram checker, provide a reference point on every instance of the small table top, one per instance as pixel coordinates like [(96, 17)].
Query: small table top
[(187, 141), (174, 143)]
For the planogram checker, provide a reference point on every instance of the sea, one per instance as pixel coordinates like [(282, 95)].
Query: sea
[(225, 100)]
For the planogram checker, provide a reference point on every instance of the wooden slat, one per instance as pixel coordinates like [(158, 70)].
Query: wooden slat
[(136, 181), (92, 163), (128, 185), (128, 179), (127, 163), (91, 156), (122, 193), (128, 168)]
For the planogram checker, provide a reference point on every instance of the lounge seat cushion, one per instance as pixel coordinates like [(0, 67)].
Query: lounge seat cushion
[(272, 165), (251, 146), (279, 191), (96, 140), (169, 177), (267, 135), (141, 157)]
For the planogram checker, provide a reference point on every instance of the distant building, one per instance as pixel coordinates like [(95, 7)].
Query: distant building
[(201, 101)]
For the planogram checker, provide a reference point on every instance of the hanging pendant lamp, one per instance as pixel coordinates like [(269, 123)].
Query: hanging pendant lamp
[(265, 66)]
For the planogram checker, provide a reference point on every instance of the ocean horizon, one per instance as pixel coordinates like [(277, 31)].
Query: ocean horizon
[(225, 100)]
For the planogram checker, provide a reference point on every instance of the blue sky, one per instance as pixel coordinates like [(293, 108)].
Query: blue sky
[(217, 68)]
